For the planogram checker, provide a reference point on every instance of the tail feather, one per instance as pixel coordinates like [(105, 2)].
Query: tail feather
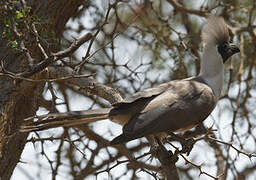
[(68, 119), (121, 139)]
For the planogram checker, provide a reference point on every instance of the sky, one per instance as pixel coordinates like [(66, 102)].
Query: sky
[(204, 155)]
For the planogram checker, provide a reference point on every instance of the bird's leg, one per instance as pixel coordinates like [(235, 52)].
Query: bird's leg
[(158, 150), (187, 144), (166, 158), (153, 144)]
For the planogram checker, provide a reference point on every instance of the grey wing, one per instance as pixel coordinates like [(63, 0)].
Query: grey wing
[(145, 94), (184, 104), (136, 103)]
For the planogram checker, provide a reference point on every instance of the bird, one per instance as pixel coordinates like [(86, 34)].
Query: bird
[(173, 106)]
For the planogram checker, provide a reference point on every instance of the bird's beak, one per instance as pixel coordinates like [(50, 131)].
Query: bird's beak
[(230, 51), (233, 49)]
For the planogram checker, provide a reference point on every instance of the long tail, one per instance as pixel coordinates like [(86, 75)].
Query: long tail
[(64, 119)]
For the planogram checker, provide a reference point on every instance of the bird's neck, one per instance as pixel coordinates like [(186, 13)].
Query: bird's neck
[(212, 69)]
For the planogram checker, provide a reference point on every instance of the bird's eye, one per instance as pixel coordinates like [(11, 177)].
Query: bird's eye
[(224, 45)]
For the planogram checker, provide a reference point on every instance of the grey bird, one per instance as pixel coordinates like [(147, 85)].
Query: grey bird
[(172, 106)]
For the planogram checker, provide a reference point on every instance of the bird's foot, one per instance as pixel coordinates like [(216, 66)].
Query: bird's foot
[(158, 150), (187, 144)]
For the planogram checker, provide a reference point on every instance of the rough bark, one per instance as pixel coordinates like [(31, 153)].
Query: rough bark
[(18, 100)]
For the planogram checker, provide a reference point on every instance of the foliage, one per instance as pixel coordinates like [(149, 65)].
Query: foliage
[(130, 46)]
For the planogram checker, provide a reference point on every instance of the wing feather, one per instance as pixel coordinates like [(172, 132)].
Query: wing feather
[(184, 103)]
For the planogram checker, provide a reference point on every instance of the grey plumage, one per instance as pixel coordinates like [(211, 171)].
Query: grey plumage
[(171, 106), (215, 31), (183, 103), (73, 118)]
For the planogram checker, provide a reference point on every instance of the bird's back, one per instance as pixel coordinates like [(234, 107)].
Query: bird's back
[(181, 104)]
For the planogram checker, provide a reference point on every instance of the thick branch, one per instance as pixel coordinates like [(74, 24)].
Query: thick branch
[(88, 85)]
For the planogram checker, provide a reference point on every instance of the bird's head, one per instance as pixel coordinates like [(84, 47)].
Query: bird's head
[(215, 33)]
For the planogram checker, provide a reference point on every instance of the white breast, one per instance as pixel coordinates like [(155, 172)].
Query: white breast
[(212, 69)]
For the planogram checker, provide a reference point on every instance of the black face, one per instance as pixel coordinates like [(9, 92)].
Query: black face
[(226, 50)]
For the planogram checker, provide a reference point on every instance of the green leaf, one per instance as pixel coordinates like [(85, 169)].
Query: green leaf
[(19, 15), (13, 44)]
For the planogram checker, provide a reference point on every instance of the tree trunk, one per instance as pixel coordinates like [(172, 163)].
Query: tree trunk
[(18, 99)]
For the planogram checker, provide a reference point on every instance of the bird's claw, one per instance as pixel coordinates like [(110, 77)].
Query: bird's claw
[(187, 146)]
